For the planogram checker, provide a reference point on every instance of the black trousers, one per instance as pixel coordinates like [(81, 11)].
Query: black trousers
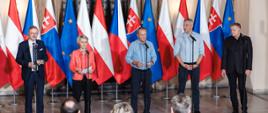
[(83, 85), (232, 78), (35, 81), (138, 77), (195, 75)]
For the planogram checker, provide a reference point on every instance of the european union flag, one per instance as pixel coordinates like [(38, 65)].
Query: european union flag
[(148, 23), (68, 38), (228, 18)]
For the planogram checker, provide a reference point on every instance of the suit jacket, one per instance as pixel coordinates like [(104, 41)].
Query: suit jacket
[(237, 54), (77, 61), (24, 57)]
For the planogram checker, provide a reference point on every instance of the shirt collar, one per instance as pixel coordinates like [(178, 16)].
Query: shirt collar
[(31, 42), (139, 42)]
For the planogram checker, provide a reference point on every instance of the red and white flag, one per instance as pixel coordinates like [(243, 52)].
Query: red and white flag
[(13, 38), (83, 23), (166, 43), (102, 51), (84, 27), (182, 15), (4, 67)]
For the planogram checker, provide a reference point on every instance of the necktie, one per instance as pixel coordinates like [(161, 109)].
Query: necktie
[(35, 54)]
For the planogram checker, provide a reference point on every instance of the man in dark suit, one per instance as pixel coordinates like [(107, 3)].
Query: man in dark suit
[(32, 56), (237, 65)]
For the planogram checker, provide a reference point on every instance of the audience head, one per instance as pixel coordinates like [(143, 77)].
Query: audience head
[(122, 107), (181, 104), (70, 106)]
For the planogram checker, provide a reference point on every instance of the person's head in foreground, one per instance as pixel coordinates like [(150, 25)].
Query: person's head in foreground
[(181, 104), (122, 107), (70, 106)]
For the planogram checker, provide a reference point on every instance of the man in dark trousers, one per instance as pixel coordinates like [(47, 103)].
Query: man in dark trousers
[(141, 56), (237, 65), (189, 51), (32, 56)]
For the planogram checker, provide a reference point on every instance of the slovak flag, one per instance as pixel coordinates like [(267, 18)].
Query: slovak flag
[(84, 28), (30, 20), (166, 43), (102, 51), (49, 35), (201, 27), (216, 38), (182, 15), (119, 45), (133, 21), (12, 40)]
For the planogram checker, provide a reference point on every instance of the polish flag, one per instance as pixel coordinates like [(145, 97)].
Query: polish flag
[(119, 45), (4, 67), (133, 22), (166, 43), (102, 51), (13, 38), (182, 15), (84, 27)]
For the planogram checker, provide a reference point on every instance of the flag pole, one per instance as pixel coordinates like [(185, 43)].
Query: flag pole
[(14, 99), (52, 101), (166, 97), (216, 96), (67, 90), (116, 93), (102, 99)]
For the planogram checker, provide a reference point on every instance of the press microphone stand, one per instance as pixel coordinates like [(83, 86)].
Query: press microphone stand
[(193, 40)]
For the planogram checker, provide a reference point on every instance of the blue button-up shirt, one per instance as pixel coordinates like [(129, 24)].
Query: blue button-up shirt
[(183, 47), (137, 52)]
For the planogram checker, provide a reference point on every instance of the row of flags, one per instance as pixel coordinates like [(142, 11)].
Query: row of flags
[(110, 48)]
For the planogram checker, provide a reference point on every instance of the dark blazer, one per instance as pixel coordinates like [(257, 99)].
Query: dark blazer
[(237, 54), (24, 57)]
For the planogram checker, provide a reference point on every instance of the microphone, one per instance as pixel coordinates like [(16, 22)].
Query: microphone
[(192, 38), (87, 51), (146, 45)]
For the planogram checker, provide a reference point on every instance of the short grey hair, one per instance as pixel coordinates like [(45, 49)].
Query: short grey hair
[(122, 107), (181, 103)]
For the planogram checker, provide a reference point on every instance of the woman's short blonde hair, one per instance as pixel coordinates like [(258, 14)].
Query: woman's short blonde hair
[(122, 107), (81, 37)]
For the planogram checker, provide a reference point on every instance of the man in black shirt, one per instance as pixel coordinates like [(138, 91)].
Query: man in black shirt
[(237, 64)]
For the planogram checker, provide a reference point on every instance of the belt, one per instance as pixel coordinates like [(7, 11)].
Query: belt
[(190, 63), (142, 70)]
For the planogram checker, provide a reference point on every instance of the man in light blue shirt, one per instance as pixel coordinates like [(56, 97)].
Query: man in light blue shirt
[(141, 56), (189, 50)]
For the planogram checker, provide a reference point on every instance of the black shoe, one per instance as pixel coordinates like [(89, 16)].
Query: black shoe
[(197, 112), (235, 112)]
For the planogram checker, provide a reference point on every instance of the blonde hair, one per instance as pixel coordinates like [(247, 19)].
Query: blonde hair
[(81, 37), (122, 107)]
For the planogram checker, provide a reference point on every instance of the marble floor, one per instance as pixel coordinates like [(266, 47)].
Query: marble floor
[(257, 103)]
